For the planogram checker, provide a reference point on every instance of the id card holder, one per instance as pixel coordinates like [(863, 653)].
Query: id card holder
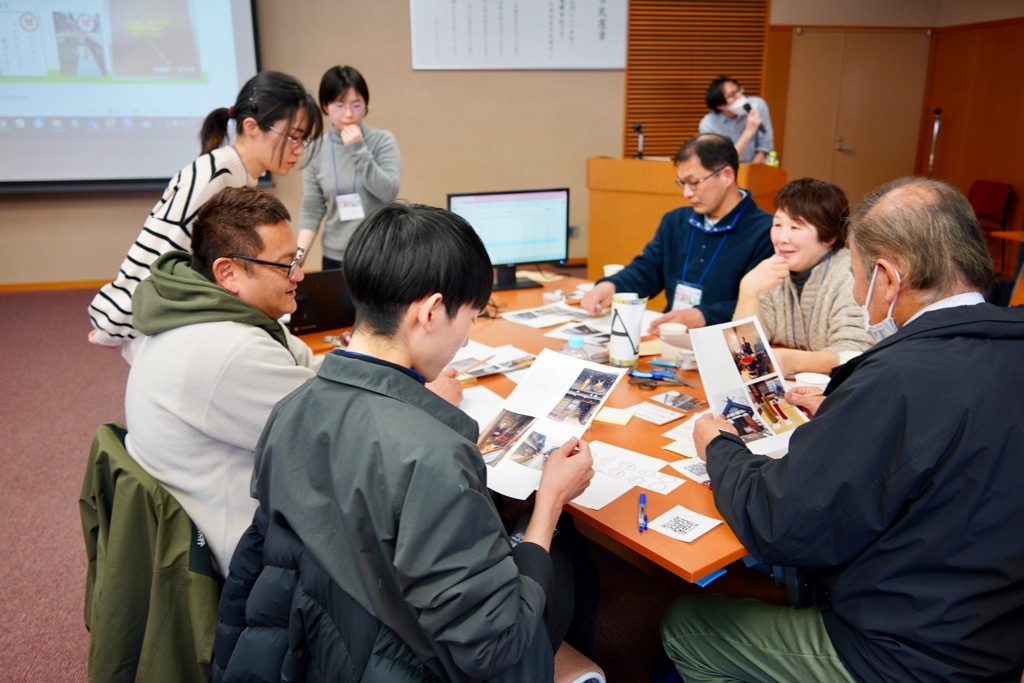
[(350, 206), (687, 296)]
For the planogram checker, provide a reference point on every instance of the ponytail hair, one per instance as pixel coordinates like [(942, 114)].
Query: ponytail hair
[(267, 98)]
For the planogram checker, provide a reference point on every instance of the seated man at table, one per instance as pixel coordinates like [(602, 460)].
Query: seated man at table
[(383, 483), (902, 496), (700, 252), (744, 120), (215, 359)]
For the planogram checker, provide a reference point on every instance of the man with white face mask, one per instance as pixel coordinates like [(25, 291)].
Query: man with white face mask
[(744, 120), (902, 496)]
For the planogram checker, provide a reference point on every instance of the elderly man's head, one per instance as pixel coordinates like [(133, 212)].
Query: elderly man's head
[(927, 230)]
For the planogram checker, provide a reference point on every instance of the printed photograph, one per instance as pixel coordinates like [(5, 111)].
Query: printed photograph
[(774, 410), (586, 393), (492, 368), (533, 451), (737, 410), (502, 432), (680, 401), (749, 351)]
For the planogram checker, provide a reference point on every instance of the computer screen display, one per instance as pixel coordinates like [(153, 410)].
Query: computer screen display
[(518, 227)]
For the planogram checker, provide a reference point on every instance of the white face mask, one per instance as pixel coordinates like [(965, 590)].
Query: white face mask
[(887, 327), (738, 107)]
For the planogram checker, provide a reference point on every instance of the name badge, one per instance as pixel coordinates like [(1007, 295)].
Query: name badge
[(350, 207), (687, 296)]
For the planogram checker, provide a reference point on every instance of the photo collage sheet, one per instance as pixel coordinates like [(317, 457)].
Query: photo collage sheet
[(742, 382), (556, 400)]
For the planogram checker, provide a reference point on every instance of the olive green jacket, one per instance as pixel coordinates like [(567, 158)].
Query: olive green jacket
[(151, 591)]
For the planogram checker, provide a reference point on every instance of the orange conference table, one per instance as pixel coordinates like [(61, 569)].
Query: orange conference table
[(617, 520)]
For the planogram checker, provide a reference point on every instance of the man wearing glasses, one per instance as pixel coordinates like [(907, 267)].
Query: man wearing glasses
[(215, 359), (700, 252), (744, 120)]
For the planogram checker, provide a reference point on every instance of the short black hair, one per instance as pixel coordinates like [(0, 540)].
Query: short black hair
[(715, 96), (714, 152), (405, 252), (228, 224), (818, 203), (337, 80)]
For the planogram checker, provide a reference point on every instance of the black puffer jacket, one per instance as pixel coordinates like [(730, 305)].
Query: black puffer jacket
[(283, 619)]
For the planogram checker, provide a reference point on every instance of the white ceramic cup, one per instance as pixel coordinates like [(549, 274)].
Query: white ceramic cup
[(612, 268), (672, 335), (811, 379)]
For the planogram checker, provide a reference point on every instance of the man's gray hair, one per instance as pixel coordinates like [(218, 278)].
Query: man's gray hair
[(930, 229)]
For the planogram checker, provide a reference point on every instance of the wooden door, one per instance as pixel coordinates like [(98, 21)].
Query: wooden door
[(855, 98)]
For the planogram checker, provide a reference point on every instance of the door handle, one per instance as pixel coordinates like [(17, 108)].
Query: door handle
[(844, 148)]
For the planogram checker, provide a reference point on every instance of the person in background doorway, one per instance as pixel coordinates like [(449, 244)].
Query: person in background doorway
[(744, 120)]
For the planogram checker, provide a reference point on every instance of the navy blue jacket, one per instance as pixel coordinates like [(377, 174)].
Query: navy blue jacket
[(904, 496), (717, 260)]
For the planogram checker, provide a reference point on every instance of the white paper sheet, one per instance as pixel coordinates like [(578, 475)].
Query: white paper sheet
[(481, 404), (659, 415), (636, 468), (683, 524), (556, 399)]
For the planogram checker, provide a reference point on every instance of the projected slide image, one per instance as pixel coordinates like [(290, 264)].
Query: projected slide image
[(79, 44), (152, 38)]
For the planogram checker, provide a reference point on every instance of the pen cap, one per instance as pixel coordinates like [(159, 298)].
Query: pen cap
[(643, 499)]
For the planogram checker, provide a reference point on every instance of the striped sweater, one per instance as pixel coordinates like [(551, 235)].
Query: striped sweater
[(167, 227)]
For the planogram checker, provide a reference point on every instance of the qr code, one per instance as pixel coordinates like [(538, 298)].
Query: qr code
[(697, 469), (680, 525)]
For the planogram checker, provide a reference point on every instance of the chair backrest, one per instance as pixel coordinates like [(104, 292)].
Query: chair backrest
[(990, 201), (1017, 297), (572, 666), (151, 590)]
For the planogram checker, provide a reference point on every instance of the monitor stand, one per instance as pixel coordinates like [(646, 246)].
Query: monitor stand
[(507, 280)]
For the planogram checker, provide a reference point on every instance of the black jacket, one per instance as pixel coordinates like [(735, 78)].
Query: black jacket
[(905, 495), (283, 619)]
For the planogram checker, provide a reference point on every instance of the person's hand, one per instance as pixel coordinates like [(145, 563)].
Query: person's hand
[(706, 429), (598, 299), (567, 473), (767, 274), (691, 317), (447, 387), (351, 133), (753, 120), (808, 399)]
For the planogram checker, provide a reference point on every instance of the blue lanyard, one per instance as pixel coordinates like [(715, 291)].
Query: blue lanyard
[(334, 165), (689, 247), (794, 302)]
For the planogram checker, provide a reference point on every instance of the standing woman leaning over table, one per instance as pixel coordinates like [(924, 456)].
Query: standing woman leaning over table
[(356, 169), (274, 119), (804, 293)]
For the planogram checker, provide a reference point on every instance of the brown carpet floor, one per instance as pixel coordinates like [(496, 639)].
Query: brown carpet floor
[(57, 389)]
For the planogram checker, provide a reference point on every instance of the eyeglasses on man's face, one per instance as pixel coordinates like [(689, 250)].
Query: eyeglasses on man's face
[(290, 267), (356, 108), (692, 185), (295, 140)]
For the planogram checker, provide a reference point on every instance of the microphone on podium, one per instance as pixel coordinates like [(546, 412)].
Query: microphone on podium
[(760, 126), (638, 128)]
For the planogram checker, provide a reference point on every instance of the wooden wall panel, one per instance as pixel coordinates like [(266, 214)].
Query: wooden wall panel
[(777, 52), (974, 77), (675, 49)]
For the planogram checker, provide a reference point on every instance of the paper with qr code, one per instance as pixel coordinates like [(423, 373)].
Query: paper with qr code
[(684, 525), (694, 468)]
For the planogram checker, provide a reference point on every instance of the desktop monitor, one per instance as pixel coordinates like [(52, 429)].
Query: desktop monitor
[(518, 227)]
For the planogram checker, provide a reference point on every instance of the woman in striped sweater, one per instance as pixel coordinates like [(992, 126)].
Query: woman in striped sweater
[(274, 120)]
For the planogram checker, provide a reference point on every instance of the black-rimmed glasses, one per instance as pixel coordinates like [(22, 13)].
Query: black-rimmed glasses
[(691, 185), (295, 140), (290, 267)]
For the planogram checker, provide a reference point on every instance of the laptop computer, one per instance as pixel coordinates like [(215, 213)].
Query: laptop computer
[(324, 303)]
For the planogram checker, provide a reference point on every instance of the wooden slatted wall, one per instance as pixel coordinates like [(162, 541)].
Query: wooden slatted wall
[(675, 49)]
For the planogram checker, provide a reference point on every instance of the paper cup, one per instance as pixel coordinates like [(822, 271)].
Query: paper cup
[(627, 318), (612, 268), (811, 379)]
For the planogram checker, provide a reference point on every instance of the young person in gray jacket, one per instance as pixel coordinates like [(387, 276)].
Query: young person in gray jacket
[(384, 485)]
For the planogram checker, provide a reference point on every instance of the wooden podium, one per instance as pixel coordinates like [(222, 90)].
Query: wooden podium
[(628, 197)]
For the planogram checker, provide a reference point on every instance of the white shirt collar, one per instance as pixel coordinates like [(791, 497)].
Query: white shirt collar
[(965, 299)]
